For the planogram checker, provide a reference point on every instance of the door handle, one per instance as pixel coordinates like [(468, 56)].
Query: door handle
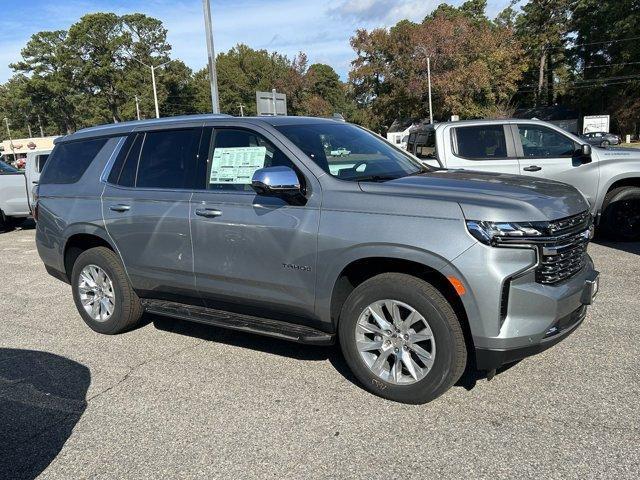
[(532, 168), (208, 212), (120, 208)]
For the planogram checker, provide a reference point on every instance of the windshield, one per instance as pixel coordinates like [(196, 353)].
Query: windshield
[(6, 168), (349, 152)]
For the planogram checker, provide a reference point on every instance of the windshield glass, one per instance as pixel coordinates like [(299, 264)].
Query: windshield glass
[(6, 168), (349, 152)]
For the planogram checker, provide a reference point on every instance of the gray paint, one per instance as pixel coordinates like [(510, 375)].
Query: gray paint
[(284, 259)]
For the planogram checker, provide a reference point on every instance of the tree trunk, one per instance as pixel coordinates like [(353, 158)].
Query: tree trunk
[(543, 61), (550, 89)]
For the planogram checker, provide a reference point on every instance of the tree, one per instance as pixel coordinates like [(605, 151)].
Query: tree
[(475, 65)]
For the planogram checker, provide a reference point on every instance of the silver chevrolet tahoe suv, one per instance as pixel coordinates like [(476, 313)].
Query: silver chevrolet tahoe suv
[(257, 224)]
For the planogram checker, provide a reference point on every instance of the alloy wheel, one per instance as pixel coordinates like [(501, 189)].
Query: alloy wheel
[(395, 341), (96, 293)]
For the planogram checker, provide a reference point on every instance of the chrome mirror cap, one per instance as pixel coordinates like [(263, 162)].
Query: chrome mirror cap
[(274, 180)]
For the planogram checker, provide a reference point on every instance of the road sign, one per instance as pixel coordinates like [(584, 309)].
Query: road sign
[(271, 103), (595, 123)]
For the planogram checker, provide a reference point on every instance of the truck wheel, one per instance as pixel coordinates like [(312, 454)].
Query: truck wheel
[(401, 338), (621, 214), (102, 292)]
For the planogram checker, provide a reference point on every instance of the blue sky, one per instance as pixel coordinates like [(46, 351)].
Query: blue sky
[(320, 28)]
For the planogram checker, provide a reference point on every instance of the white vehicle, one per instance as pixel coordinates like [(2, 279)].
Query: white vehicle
[(16, 189)]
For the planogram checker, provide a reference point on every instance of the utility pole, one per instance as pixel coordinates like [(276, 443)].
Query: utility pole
[(241, 110), (153, 80), (213, 77), (13, 152), (40, 124), (275, 105), (137, 108), (429, 79)]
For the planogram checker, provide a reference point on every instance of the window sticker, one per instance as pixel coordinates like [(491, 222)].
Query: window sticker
[(236, 164)]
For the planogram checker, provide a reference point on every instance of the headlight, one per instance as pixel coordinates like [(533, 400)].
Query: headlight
[(491, 233)]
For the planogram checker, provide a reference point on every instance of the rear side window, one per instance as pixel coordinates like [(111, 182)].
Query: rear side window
[(69, 161), (484, 142), (168, 159)]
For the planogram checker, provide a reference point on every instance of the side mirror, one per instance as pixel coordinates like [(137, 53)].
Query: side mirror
[(276, 181), (585, 153)]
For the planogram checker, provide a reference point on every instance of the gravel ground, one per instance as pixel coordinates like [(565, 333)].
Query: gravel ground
[(173, 399)]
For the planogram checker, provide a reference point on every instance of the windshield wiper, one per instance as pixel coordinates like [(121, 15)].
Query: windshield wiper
[(374, 178)]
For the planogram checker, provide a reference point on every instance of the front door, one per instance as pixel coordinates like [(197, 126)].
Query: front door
[(486, 147), (255, 254), (146, 209), (547, 153)]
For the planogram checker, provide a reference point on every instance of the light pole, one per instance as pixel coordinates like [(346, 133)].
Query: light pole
[(153, 80), (213, 77), (13, 152), (429, 78), (137, 108)]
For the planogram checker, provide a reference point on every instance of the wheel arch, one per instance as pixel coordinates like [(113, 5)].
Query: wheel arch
[(430, 268), (631, 179), (81, 238)]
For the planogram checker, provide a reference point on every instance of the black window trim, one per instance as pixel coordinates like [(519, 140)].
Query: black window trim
[(508, 137), (520, 150)]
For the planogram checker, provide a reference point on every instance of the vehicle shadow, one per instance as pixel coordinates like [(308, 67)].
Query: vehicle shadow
[(42, 397), (629, 247), (259, 343), (276, 346)]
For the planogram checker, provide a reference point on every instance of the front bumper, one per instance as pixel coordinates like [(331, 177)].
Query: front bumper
[(517, 316)]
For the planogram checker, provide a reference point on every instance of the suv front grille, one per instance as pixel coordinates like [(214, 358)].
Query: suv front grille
[(563, 253)]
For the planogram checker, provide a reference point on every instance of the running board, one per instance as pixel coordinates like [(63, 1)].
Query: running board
[(237, 321)]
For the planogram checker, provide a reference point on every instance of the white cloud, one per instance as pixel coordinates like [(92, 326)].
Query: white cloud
[(386, 12)]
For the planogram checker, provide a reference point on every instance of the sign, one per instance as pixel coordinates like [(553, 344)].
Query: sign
[(271, 103), (595, 123), (236, 164)]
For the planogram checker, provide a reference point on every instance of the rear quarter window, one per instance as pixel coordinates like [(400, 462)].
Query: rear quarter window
[(68, 161)]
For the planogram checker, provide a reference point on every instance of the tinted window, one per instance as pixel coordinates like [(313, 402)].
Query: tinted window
[(542, 142), (40, 162), (6, 168), (349, 152), (125, 166), (168, 159), (68, 161), (484, 142), (426, 144), (234, 157)]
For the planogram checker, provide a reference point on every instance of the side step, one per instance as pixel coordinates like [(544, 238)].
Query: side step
[(238, 321)]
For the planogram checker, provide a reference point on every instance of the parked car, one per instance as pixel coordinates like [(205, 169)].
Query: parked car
[(35, 162), (601, 139), (14, 206), (608, 178), (243, 223)]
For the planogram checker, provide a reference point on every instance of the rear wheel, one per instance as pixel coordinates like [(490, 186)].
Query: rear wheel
[(621, 214), (402, 339), (102, 292)]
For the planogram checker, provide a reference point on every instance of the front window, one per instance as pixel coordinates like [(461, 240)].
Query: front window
[(543, 142), (349, 152)]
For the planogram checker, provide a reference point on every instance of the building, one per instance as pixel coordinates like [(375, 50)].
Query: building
[(21, 146)]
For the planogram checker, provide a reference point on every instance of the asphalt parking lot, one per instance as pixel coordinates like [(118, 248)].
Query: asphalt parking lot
[(173, 399)]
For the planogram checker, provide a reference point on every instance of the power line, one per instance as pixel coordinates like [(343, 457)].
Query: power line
[(611, 65)]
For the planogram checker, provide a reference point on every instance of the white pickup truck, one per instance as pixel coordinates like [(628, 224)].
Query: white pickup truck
[(16, 189), (609, 178)]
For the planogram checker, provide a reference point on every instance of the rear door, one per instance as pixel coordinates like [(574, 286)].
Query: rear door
[(253, 253), (484, 147), (146, 209), (547, 153)]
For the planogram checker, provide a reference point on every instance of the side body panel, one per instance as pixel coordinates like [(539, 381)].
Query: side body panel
[(615, 164)]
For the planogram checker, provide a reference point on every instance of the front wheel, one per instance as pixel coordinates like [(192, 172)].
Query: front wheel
[(102, 292), (402, 339), (621, 214)]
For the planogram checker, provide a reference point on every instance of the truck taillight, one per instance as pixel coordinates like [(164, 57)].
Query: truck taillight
[(34, 207)]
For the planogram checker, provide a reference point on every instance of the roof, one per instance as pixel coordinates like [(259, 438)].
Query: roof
[(123, 128)]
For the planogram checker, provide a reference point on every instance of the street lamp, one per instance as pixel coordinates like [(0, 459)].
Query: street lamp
[(153, 80)]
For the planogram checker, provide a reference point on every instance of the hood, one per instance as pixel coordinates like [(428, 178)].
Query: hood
[(490, 196)]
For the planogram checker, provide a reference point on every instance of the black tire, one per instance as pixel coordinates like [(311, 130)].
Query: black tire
[(127, 307), (621, 215), (451, 353)]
